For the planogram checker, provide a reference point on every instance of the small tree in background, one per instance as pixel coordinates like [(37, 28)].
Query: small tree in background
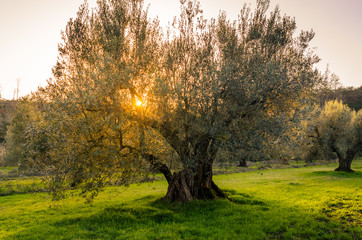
[(24, 116), (339, 129)]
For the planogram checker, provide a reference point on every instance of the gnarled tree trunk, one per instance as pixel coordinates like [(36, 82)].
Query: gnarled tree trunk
[(345, 162), (344, 165), (186, 185), (193, 182)]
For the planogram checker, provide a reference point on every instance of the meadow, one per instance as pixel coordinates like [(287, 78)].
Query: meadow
[(296, 203)]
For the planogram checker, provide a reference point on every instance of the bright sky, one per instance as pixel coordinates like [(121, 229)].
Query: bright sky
[(30, 32)]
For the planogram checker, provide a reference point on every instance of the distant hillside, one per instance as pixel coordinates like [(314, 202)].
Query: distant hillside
[(6, 113), (352, 97)]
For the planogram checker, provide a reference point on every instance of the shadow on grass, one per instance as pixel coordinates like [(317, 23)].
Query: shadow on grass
[(244, 198), (356, 174)]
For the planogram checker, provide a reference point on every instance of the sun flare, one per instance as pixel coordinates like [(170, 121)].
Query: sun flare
[(139, 103)]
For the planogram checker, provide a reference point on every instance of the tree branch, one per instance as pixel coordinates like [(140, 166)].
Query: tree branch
[(156, 164)]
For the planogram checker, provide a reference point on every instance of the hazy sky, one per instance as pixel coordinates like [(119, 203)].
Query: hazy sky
[(30, 32)]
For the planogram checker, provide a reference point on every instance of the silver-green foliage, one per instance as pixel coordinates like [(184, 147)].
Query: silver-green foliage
[(125, 92)]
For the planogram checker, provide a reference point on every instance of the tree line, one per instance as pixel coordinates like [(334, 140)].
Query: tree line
[(127, 98)]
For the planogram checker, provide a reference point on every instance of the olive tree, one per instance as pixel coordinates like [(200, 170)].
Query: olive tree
[(340, 130), (126, 96)]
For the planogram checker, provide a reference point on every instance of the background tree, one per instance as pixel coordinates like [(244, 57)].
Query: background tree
[(23, 117), (6, 114), (339, 129), (124, 95)]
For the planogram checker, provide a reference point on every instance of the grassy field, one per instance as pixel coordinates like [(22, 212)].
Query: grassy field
[(295, 203)]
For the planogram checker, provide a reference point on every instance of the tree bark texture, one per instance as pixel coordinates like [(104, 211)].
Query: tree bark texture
[(190, 183), (345, 162), (187, 185)]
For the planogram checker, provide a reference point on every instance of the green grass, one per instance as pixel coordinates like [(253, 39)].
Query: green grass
[(296, 203), (4, 170), (9, 186), (12, 184)]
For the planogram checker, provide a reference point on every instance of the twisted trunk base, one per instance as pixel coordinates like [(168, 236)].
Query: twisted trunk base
[(345, 162), (344, 165), (185, 186), (188, 185)]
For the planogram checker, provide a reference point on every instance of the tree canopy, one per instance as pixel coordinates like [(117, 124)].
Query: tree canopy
[(127, 96)]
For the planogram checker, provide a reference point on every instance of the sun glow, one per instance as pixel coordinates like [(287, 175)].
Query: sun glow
[(139, 103)]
